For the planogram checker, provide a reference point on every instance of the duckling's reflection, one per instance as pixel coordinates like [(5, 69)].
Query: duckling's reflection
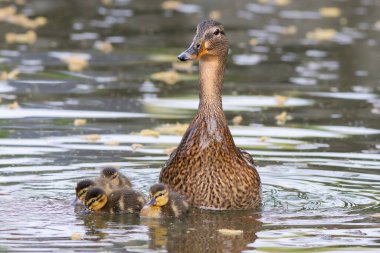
[(199, 232)]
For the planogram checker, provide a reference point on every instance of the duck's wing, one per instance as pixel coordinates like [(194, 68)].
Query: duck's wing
[(247, 157)]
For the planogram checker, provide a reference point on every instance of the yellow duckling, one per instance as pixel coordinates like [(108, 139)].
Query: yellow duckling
[(116, 177), (118, 201), (164, 203)]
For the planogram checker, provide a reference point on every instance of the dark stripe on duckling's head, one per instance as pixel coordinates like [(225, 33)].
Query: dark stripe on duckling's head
[(109, 172), (157, 188), (82, 187)]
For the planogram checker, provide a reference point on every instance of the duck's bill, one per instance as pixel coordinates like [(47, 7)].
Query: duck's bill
[(192, 53), (152, 202), (85, 211), (75, 201)]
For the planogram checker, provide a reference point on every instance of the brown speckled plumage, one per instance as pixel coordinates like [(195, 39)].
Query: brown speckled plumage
[(207, 167)]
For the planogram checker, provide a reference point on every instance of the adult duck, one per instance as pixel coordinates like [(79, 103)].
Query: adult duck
[(207, 168)]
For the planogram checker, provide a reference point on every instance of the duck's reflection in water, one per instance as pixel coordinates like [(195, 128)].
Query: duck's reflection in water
[(200, 231), (197, 232)]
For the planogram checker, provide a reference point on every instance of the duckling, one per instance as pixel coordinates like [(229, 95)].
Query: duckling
[(115, 177), (164, 203), (118, 201), (84, 185), (207, 168)]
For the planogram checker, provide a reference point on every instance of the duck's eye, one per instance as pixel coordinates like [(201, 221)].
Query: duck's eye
[(198, 46), (216, 32)]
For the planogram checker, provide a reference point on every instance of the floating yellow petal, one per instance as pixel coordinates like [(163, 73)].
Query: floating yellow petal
[(237, 120), (76, 236), (330, 12), (168, 151), (282, 118), (104, 46), (30, 37), (186, 66), (215, 15), (170, 5), (178, 128), (112, 143), (149, 132), (230, 232), (80, 122), (169, 77), (76, 63), (92, 137), (321, 34), (136, 146), (7, 12), (376, 215), (281, 100), (13, 105), (9, 75)]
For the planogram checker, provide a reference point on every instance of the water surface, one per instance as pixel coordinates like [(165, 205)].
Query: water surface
[(319, 162)]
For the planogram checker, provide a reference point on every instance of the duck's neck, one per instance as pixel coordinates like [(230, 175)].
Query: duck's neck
[(211, 73)]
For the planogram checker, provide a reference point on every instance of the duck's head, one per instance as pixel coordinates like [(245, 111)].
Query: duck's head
[(111, 174), (210, 41), (82, 188), (96, 198), (158, 195)]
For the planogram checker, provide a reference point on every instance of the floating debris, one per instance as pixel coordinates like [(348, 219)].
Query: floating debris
[(169, 77), (135, 147), (9, 75), (112, 143), (104, 46), (76, 63), (107, 2), (264, 138), (77, 236), (321, 34), (282, 118), (30, 37), (7, 12), (149, 132), (281, 100), (230, 232), (178, 128), (25, 22), (376, 26), (92, 137), (170, 5), (330, 12), (13, 105), (215, 15), (237, 120), (168, 151), (186, 66), (80, 122), (376, 215)]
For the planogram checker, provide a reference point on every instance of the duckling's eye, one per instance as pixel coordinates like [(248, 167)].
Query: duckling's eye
[(216, 32), (198, 46)]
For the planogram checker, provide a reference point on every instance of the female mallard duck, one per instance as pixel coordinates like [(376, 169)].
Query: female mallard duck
[(116, 177), (118, 201), (164, 203), (207, 167)]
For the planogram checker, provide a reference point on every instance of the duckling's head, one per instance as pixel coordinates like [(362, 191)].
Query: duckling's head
[(96, 198), (82, 188), (111, 174), (210, 41), (158, 195)]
